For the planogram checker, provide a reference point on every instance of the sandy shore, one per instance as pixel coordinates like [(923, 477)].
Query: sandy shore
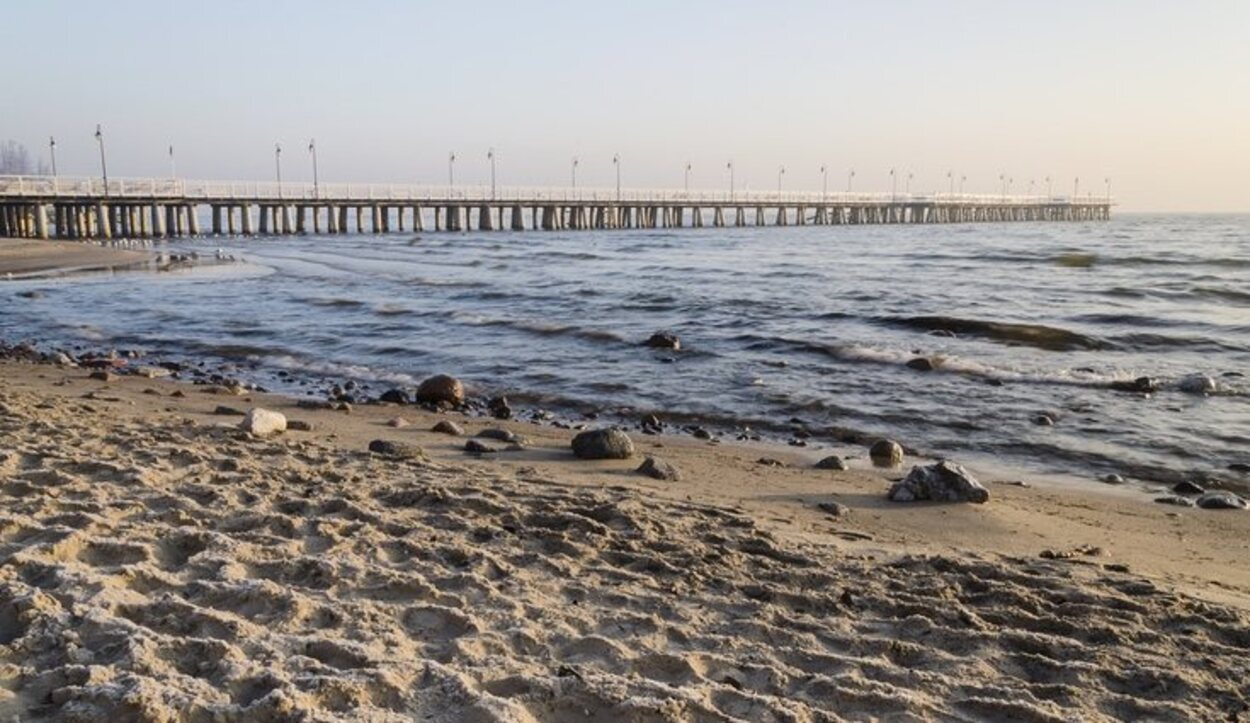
[(30, 256), (159, 564)]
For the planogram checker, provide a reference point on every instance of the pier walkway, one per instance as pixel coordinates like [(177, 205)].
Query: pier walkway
[(72, 208)]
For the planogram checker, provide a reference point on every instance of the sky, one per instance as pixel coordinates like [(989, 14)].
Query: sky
[(1154, 96)]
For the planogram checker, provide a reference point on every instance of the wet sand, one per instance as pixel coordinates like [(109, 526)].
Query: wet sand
[(158, 562), (30, 256)]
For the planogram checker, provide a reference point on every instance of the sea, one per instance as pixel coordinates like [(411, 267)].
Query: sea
[(1036, 333)]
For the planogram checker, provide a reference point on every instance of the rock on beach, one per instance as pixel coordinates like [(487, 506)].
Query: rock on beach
[(603, 444), (657, 468), (941, 482), (886, 453), (441, 390), (263, 422)]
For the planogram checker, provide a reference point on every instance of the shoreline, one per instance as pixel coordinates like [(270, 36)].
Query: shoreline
[(30, 258)]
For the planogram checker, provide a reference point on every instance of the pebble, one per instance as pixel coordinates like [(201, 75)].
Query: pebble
[(224, 411), (1221, 500), (1188, 488), (832, 462), (886, 453), (837, 509), (299, 425), (397, 423), (503, 435), (446, 426), (657, 468), (397, 450), (701, 433), (770, 462), (1112, 479), (475, 447)]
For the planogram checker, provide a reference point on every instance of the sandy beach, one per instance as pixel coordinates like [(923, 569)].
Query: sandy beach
[(161, 564), (30, 256)]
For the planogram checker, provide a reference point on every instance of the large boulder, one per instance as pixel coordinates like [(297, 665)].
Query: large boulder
[(603, 444), (941, 482), (441, 390), (263, 422), (886, 453)]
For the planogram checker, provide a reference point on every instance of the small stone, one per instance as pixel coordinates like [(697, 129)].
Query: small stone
[(475, 447), (941, 482), (659, 469), (441, 390), (299, 425), (1174, 500), (1112, 479), (1044, 420), (701, 433), (603, 444), (770, 462), (263, 422), (446, 426), (1141, 385), (832, 462), (1188, 488), (1221, 500), (396, 396), (224, 411), (397, 423), (314, 404), (921, 364), (837, 509), (502, 435), (651, 421), (664, 340), (148, 372), (886, 453), (499, 408), (178, 393), (100, 375), (396, 450)]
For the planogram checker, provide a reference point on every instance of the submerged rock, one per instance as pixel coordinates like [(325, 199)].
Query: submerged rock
[(941, 482), (441, 390), (1141, 385), (886, 453), (664, 340), (921, 364), (1197, 384), (263, 422), (1188, 488), (657, 468), (832, 462), (1221, 500), (603, 444)]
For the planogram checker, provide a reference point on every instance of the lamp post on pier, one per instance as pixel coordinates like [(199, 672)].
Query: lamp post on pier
[(104, 168), (451, 172), (950, 182), (1002, 182), (573, 172), (907, 185), (52, 149), (893, 185), (173, 165), (686, 181), (1050, 189), (730, 166), (824, 182), (490, 155), (781, 171), (312, 150), (850, 180), (616, 161), (277, 164), (962, 179), (1076, 187), (1108, 182)]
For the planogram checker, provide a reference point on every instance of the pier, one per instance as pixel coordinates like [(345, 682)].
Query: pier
[(89, 208)]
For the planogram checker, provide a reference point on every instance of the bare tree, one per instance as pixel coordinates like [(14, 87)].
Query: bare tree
[(15, 161)]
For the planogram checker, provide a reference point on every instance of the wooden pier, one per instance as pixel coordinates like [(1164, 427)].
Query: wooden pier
[(88, 208)]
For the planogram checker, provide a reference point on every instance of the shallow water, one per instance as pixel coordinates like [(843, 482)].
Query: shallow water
[(809, 322)]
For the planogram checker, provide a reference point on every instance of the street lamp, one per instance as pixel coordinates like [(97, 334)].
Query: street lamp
[(451, 171), (730, 166), (850, 178), (1031, 184), (1108, 182), (574, 172), (104, 168), (616, 161), (1050, 188), (961, 184), (490, 155), (1002, 181), (277, 164), (893, 185), (950, 181), (907, 185), (1010, 180), (781, 171), (312, 150), (1076, 187), (173, 166), (824, 181), (52, 148)]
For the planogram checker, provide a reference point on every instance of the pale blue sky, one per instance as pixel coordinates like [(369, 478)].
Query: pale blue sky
[(1155, 95)]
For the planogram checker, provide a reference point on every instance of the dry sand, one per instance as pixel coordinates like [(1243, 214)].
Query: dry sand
[(158, 564), (31, 256)]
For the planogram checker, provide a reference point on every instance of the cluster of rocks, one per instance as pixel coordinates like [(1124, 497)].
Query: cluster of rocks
[(1191, 494)]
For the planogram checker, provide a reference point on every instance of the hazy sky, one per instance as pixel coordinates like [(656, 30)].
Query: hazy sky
[(1155, 95)]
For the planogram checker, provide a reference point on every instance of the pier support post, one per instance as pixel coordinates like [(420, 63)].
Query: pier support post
[(301, 219), (216, 220), (484, 221), (245, 213), (518, 220)]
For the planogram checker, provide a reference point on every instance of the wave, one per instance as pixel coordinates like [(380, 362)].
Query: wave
[(1035, 335), (541, 329)]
